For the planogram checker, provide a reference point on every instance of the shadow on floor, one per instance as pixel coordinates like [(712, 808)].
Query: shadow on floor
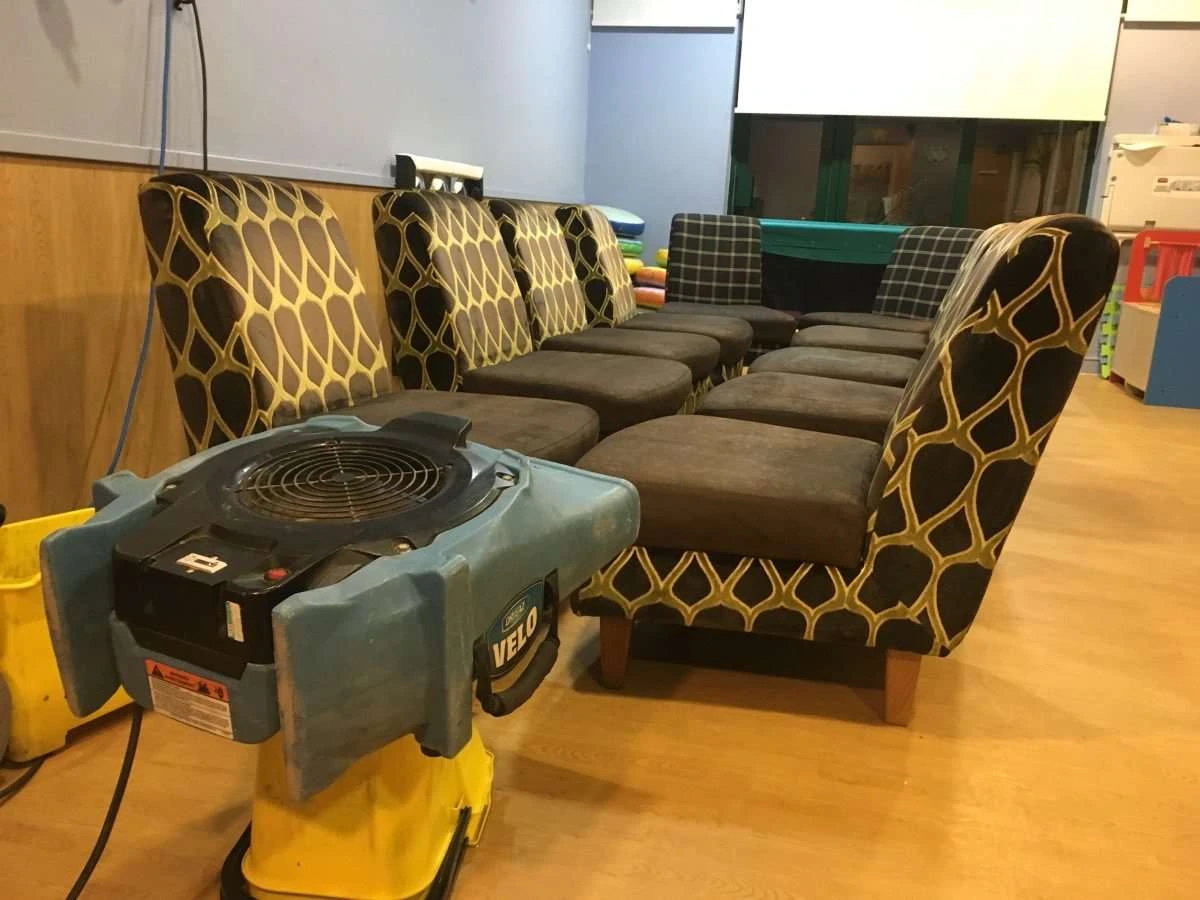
[(665, 659)]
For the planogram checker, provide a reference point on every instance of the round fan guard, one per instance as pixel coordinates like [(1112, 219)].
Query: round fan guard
[(344, 480)]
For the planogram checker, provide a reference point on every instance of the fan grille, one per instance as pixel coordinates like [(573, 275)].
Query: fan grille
[(341, 481)]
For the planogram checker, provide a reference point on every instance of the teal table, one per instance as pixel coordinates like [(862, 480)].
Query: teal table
[(832, 242)]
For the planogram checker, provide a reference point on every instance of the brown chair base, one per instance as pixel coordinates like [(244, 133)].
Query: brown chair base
[(615, 632), (900, 686)]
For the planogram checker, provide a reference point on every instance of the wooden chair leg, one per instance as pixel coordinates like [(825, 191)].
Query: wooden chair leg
[(900, 686), (614, 650)]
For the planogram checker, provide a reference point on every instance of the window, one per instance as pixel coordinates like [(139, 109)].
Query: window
[(903, 172), (1025, 169), (908, 171), (780, 166)]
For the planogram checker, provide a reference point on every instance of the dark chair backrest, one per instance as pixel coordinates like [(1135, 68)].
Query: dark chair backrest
[(975, 418), (263, 310), (452, 299), (543, 266), (715, 259), (921, 269), (599, 265)]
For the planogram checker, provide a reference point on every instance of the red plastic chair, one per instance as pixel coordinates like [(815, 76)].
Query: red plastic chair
[(1177, 255)]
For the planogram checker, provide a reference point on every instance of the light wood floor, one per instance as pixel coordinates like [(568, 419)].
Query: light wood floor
[(1056, 754)]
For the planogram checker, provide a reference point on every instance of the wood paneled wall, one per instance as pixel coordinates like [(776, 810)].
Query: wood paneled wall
[(73, 290)]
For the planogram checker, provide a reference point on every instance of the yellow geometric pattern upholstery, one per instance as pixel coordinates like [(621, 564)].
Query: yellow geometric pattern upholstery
[(452, 300), (699, 390), (958, 459), (264, 313), (599, 265), (543, 267)]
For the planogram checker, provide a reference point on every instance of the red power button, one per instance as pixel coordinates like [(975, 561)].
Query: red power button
[(275, 574)]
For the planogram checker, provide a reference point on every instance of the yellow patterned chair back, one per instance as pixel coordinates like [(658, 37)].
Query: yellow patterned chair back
[(264, 313), (599, 265), (452, 299), (543, 266)]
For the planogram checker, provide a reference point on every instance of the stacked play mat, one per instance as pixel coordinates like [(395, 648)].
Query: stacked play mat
[(650, 282), (650, 286), (628, 228)]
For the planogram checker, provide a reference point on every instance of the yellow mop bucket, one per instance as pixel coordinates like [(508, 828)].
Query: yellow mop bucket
[(40, 717)]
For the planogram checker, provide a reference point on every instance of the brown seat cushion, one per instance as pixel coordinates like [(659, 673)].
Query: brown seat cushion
[(866, 320), (871, 340), (697, 352), (772, 327), (734, 335), (724, 486), (548, 429), (622, 390), (851, 408), (830, 362)]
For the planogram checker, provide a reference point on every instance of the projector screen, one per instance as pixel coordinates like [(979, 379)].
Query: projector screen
[(976, 59)]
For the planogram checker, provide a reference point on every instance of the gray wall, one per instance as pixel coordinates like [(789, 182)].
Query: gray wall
[(1157, 73), (296, 87), (660, 113)]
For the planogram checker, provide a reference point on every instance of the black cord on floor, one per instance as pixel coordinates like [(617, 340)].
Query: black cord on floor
[(114, 805), (11, 790)]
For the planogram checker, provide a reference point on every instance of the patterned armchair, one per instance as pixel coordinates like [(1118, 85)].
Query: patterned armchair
[(716, 267), (608, 291), (554, 298), (264, 313), (756, 527), (459, 320), (267, 322)]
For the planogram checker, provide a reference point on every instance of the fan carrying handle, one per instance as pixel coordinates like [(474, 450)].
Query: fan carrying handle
[(501, 703)]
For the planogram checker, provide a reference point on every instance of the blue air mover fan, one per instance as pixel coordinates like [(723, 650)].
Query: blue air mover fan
[(337, 593)]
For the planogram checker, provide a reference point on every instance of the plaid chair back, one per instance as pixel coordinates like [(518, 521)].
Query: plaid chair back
[(715, 259), (922, 268)]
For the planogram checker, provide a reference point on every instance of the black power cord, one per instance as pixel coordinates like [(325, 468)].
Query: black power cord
[(180, 4), (135, 721), (114, 805)]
